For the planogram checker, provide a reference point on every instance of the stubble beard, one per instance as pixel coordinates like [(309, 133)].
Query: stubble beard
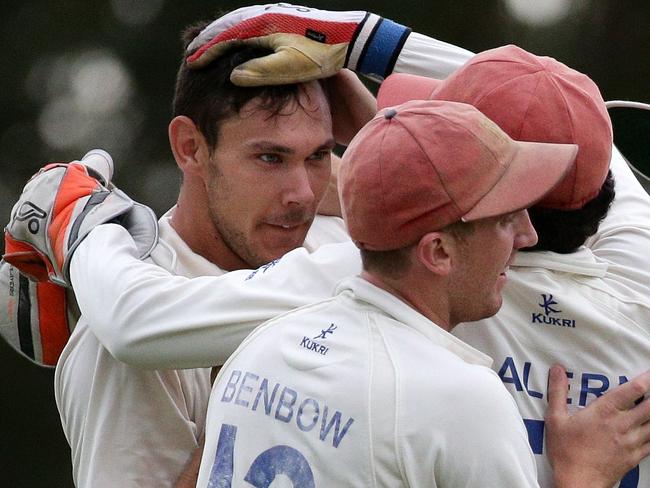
[(235, 241), (232, 238)]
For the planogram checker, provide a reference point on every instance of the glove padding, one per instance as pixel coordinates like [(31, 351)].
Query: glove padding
[(59, 206), (365, 42), (36, 318), (296, 59)]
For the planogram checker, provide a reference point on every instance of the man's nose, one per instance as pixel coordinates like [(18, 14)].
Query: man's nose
[(526, 234), (298, 188)]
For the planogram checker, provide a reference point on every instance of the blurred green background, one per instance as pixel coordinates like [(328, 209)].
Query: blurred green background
[(100, 73)]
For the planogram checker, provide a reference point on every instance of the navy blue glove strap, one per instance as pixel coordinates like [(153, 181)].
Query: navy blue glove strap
[(375, 47)]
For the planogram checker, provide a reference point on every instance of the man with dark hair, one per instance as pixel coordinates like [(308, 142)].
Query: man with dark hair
[(256, 165)]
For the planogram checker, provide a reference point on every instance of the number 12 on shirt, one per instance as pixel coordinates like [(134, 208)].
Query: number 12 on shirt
[(277, 460)]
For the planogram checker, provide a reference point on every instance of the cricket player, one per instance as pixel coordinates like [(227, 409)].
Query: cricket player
[(209, 340), (369, 388), (581, 296), (132, 427), (108, 407), (113, 412)]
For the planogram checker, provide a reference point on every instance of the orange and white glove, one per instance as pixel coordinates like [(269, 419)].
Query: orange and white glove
[(59, 206)]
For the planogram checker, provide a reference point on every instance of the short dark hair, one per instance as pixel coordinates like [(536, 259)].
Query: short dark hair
[(392, 264), (207, 96), (396, 262), (564, 231), (460, 229)]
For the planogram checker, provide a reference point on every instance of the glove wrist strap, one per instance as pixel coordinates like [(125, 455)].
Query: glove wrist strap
[(375, 46)]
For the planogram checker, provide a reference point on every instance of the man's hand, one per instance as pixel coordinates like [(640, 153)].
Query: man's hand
[(296, 59), (313, 43), (331, 204), (597, 445), (59, 206), (351, 103)]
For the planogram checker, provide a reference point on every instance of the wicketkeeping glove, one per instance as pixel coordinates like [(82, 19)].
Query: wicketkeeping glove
[(59, 206), (36, 318), (358, 40)]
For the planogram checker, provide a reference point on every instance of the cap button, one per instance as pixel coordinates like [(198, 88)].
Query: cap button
[(390, 113)]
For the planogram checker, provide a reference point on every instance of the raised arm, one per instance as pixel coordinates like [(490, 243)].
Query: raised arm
[(309, 43), (351, 103)]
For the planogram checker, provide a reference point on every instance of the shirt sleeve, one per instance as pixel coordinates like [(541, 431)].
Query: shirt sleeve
[(623, 237), (146, 317), (425, 56)]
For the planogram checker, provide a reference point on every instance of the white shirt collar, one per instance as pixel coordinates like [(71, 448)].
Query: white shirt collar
[(179, 258), (581, 262), (391, 305)]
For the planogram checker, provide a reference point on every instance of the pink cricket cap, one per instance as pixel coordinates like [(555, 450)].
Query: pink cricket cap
[(423, 165), (532, 98)]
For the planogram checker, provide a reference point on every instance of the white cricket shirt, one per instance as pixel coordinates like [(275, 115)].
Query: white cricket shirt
[(589, 310), (131, 427), (362, 390)]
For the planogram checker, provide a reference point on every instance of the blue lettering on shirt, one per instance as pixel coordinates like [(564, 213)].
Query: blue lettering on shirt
[(535, 430), (587, 387), (264, 390), (285, 404)]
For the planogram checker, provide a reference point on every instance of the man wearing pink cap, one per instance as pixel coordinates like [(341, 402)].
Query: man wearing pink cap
[(369, 388), (584, 286), (581, 295)]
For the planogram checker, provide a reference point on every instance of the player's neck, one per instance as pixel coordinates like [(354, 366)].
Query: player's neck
[(418, 296), (191, 221)]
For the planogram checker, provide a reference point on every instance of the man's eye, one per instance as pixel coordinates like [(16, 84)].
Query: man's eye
[(319, 155), (270, 158)]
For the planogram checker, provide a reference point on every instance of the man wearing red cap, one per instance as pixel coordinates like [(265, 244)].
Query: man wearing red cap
[(369, 387), (586, 283), (584, 286)]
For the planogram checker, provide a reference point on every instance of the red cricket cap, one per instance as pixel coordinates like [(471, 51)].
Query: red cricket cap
[(423, 165), (532, 98)]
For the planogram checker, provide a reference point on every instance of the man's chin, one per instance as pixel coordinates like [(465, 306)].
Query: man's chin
[(279, 250), (487, 311), (496, 306)]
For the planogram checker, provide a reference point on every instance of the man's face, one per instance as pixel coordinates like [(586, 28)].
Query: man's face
[(266, 177), (482, 259)]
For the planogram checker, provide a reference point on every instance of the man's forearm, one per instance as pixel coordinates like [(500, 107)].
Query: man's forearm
[(141, 315), (426, 56)]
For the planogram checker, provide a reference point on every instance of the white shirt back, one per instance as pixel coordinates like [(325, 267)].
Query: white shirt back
[(361, 390)]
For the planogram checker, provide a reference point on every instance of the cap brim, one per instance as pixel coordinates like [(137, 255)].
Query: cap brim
[(534, 170), (400, 88)]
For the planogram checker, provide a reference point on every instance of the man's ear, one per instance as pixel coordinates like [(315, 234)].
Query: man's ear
[(188, 145), (434, 252)]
